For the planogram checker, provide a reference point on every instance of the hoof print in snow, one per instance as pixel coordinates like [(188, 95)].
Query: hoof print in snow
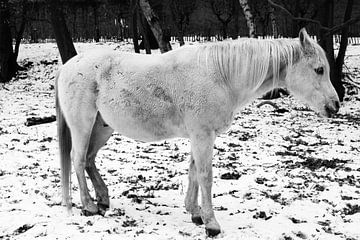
[(116, 212), (185, 234), (129, 223), (315, 163), (296, 221), (87, 213), (301, 235), (260, 180), (262, 215), (162, 213), (230, 176), (23, 229), (221, 208), (135, 198), (319, 188), (351, 209)]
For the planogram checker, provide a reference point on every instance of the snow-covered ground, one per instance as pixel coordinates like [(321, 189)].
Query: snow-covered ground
[(293, 174)]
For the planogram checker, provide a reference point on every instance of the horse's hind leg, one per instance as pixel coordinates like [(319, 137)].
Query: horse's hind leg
[(191, 200), (81, 128), (99, 136)]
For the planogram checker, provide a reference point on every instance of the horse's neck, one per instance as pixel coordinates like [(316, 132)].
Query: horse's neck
[(269, 83)]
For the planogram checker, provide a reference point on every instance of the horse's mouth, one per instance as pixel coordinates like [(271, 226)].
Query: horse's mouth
[(329, 111)]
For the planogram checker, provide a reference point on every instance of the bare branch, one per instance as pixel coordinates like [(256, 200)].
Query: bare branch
[(38, 19), (343, 25), (298, 18), (328, 30), (350, 81)]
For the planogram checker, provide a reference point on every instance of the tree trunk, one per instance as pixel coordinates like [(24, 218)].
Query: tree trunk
[(155, 26), (273, 22), (181, 38), (224, 29), (86, 25), (61, 32), (145, 32), (326, 13), (235, 34), (8, 65), (74, 30), (339, 62), (96, 23), (20, 32), (249, 17), (134, 19)]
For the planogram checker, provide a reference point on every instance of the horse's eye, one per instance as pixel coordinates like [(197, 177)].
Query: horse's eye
[(319, 70)]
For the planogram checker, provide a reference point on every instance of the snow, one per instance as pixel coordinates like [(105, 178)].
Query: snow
[(298, 174)]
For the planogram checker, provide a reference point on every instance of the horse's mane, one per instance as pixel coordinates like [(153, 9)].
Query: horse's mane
[(248, 59)]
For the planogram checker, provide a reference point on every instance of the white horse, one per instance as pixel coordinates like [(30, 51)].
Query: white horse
[(192, 92)]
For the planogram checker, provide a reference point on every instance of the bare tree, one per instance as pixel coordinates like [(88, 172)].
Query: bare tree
[(95, 8), (264, 17), (224, 11), (155, 25), (145, 32), (181, 12), (23, 20), (326, 12), (8, 65), (61, 32), (134, 24), (274, 27), (248, 16)]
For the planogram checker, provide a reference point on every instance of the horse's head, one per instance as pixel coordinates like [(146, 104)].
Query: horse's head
[(309, 77)]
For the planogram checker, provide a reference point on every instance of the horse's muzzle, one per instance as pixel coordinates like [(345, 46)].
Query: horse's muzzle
[(332, 108)]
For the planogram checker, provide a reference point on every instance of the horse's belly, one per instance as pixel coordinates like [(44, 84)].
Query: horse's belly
[(145, 133), (145, 121)]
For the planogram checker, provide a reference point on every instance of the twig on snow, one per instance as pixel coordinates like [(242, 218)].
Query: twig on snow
[(39, 120), (351, 82)]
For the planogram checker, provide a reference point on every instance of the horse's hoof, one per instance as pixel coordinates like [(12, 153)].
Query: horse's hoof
[(102, 208), (210, 232), (197, 220), (87, 213)]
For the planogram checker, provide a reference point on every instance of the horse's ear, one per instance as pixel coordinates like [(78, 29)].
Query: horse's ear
[(304, 38)]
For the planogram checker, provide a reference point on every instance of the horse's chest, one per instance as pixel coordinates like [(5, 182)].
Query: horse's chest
[(223, 122)]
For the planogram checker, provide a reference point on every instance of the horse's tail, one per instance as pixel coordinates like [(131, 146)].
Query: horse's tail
[(64, 149)]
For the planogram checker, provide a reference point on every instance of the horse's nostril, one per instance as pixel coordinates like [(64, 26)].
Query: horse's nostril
[(332, 107), (337, 105)]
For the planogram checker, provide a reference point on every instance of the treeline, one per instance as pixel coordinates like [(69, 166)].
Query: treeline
[(112, 19)]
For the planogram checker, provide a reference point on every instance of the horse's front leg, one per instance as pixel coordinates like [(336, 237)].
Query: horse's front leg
[(191, 200), (202, 149)]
